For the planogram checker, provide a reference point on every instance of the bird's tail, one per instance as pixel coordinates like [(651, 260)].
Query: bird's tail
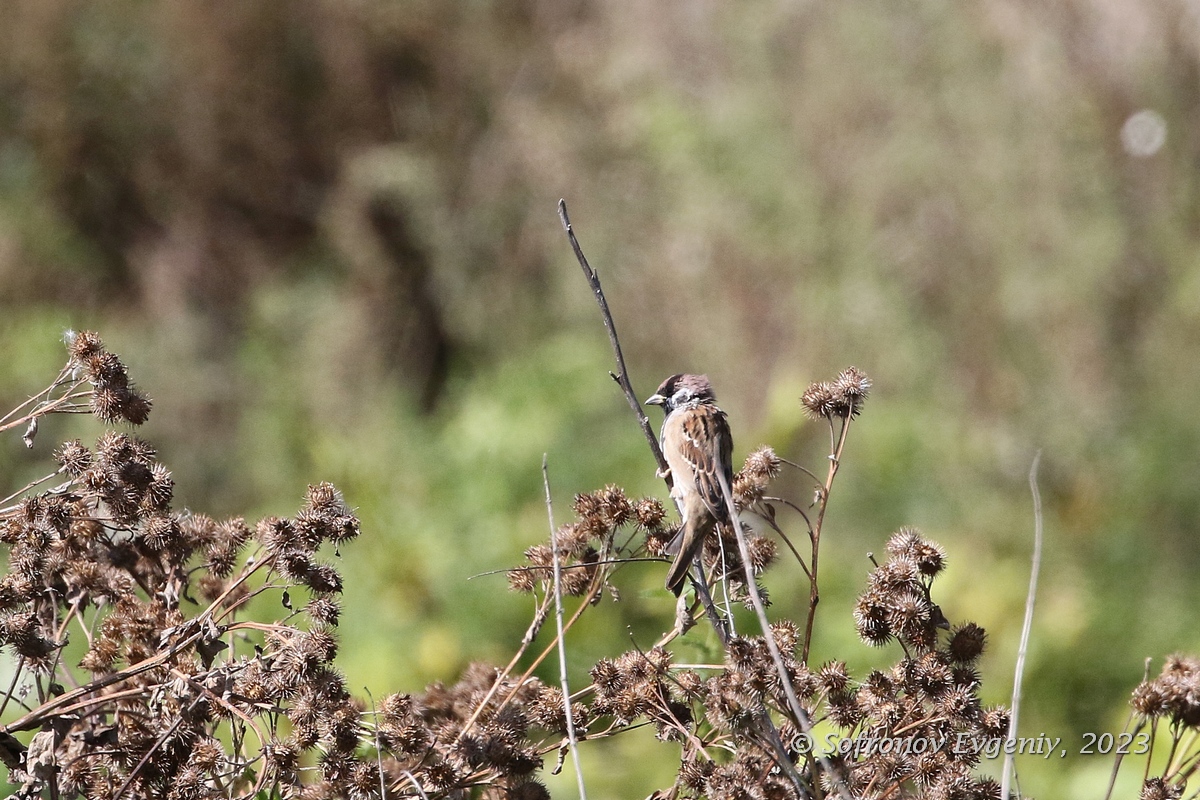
[(691, 546)]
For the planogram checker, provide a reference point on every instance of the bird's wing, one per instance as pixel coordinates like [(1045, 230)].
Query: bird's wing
[(707, 447)]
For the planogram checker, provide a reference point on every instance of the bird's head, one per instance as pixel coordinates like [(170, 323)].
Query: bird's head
[(679, 390)]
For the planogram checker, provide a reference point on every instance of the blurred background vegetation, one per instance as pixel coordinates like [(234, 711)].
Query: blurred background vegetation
[(323, 236)]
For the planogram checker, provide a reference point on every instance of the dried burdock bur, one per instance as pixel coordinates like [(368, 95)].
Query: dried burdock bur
[(105, 551), (842, 397), (198, 701), (819, 400)]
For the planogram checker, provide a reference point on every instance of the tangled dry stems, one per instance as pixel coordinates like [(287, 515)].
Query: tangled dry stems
[(175, 694)]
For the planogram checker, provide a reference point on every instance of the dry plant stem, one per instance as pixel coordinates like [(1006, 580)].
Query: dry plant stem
[(558, 621), (42, 712), (622, 378), (726, 606), (1112, 780), (100, 699), (378, 746), (50, 407), (793, 507), (13, 686), (21, 492), (535, 627), (1187, 756), (588, 598), (416, 784), (593, 590), (798, 713), (1149, 754), (814, 594), (504, 673), (249, 721), (721, 624), (37, 398), (550, 648), (1006, 779), (816, 481), (1173, 750), (787, 539), (622, 375), (146, 758), (589, 565)]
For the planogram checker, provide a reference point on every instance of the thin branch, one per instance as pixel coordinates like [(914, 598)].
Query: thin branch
[(588, 565), (102, 699), (589, 596), (816, 481), (1112, 781), (49, 407), (558, 621), (599, 580), (20, 492), (786, 539), (807, 522), (133, 773), (416, 783), (43, 393), (722, 625), (798, 713), (1188, 757), (39, 714), (622, 374), (1120, 757), (622, 378), (814, 594), (378, 746), (1006, 780), (35, 717), (12, 687)]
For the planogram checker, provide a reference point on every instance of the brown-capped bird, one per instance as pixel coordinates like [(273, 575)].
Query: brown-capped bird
[(698, 446)]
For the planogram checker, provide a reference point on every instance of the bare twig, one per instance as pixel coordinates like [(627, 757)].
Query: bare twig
[(13, 686), (416, 783), (816, 481), (588, 565), (589, 596), (37, 716), (780, 533), (722, 625), (599, 580), (50, 706), (50, 407), (814, 594), (37, 398), (622, 374), (558, 621), (21, 492), (839, 445), (1006, 779), (1121, 752), (133, 773), (378, 746), (797, 711)]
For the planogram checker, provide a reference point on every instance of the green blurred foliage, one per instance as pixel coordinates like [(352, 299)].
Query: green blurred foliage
[(323, 237)]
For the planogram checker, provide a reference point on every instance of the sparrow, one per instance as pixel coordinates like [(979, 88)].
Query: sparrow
[(698, 447)]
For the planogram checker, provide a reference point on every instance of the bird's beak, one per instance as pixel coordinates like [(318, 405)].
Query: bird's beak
[(656, 400)]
